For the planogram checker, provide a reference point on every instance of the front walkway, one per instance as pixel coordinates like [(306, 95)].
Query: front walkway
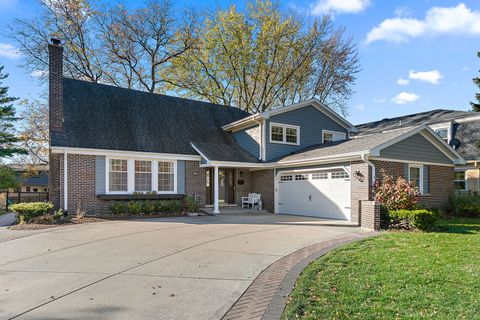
[(171, 268)]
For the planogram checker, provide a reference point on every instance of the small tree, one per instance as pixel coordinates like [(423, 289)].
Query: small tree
[(8, 178), (476, 81), (396, 195), (8, 140)]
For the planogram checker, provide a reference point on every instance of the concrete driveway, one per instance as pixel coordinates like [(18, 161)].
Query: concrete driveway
[(172, 268)]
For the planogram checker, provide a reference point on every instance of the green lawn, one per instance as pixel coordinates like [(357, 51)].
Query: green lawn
[(397, 275)]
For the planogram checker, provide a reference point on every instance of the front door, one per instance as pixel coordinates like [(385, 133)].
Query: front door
[(226, 183)]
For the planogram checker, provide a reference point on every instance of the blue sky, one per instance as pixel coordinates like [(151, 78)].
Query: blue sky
[(415, 55)]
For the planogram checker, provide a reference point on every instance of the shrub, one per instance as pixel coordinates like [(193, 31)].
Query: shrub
[(396, 195), (464, 205), (29, 210), (190, 204), (422, 219), (134, 207), (118, 207), (148, 207)]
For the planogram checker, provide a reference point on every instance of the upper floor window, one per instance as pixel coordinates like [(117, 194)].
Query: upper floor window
[(143, 175), (443, 133), (282, 133), (331, 136), (118, 175)]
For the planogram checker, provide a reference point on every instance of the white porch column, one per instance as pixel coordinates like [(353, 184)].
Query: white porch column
[(215, 191)]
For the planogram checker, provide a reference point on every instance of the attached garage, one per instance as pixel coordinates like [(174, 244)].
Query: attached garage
[(321, 192)]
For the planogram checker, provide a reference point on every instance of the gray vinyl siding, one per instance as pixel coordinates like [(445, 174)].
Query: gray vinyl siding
[(415, 148), (100, 185), (311, 122), (181, 177), (249, 139)]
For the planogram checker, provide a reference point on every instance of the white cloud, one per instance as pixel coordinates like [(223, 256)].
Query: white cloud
[(459, 20), (340, 6), (466, 68), (403, 11), (405, 97), (360, 107), (432, 76), (379, 100), (403, 82), (9, 51)]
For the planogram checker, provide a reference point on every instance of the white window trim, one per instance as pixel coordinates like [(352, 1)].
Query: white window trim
[(285, 126), (465, 179), (333, 133), (131, 174), (420, 167)]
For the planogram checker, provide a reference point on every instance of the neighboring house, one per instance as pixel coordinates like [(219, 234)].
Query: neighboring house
[(30, 180), (460, 129), (109, 143)]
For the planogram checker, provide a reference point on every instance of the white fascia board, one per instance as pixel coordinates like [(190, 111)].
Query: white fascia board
[(243, 123), (119, 153), (411, 161), (200, 152)]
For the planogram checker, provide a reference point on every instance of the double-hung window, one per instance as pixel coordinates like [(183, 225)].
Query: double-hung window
[(118, 175), (331, 136), (283, 133), (166, 176), (460, 181), (415, 175), (143, 175)]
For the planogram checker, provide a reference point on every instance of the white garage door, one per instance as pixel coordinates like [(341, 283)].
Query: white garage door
[(323, 194)]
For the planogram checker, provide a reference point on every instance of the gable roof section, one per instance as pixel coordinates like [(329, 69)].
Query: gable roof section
[(370, 145), (99, 116), (416, 119), (223, 152), (251, 120), (468, 133)]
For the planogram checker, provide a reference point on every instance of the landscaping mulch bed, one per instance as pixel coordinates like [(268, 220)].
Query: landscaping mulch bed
[(40, 226)]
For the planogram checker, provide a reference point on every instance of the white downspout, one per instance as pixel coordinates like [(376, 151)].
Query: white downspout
[(260, 151), (371, 165), (65, 180)]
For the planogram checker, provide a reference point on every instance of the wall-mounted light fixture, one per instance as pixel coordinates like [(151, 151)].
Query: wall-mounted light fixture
[(359, 176)]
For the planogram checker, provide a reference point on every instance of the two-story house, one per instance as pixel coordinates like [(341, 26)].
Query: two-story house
[(460, 129), (109, 143)]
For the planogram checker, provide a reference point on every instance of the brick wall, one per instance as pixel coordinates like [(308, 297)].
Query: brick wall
[(241, 190), (81, 185), (262, 182), (441, 186), (360, 186), (440, 180), (370, 214), (55, 87), (54, 179), (195, 181)]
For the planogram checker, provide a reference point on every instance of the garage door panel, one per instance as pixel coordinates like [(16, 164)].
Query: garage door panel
[(326, 198)]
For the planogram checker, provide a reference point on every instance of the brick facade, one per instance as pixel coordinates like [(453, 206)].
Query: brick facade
[(262, 181), (473, 179), (360, 187), (241, 190), (54, 179), (195, 181), (440, 181)]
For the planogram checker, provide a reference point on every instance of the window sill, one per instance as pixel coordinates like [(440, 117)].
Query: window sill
[(286, 143), (139, 196)]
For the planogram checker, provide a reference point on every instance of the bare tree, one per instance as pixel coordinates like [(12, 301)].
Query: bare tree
[(141, 43)]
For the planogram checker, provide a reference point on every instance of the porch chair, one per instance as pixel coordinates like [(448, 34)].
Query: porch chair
[(252, 199)]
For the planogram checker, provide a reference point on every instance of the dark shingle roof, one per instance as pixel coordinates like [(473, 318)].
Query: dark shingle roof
[(105, 117), (416, 119), (224, 152), (356, 144), (468, 133)]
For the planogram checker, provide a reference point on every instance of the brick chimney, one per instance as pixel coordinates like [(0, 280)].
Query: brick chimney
[(55, 85)]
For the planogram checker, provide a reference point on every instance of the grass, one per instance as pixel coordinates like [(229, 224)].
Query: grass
[(397, 275)]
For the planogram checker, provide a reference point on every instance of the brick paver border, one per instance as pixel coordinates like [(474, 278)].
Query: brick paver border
[(265, 298)]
